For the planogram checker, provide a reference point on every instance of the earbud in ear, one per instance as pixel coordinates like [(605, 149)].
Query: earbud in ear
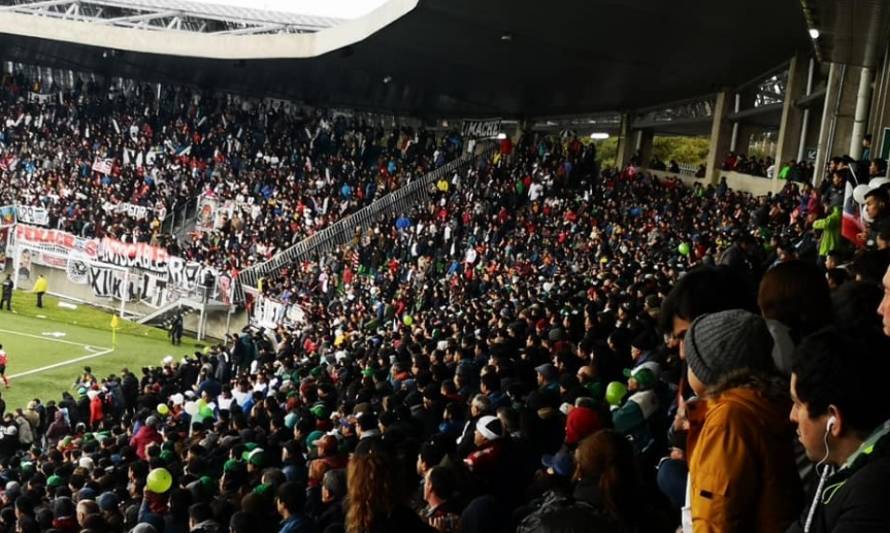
[(831, 421)]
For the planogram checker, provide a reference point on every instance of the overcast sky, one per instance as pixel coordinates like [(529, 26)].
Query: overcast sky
[(327, 8)]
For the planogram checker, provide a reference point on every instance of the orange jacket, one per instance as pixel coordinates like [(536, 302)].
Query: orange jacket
[(741, 462)]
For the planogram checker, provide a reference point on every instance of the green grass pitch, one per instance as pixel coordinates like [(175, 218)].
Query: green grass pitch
[(49, 347)]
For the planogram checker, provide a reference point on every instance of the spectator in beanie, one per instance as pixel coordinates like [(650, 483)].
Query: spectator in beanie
[(742, 474), (581, 422), (838, 386), (547, 378), (488, 440)]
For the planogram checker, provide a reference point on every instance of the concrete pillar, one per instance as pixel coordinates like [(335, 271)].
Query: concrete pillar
[(805, 120), (733, 143), (788, 139), (834, 86), (644, 145), (625, 149), (745, 131), (721, 135), (839, 115), (879, 116), (860, 120)]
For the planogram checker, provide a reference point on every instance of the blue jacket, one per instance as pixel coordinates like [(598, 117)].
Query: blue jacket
[(296, 524)]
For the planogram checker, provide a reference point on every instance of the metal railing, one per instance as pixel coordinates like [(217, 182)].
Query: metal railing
[(688, 170), (344, 230)]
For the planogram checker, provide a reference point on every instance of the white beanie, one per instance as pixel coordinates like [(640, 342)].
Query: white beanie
[(490, 427)]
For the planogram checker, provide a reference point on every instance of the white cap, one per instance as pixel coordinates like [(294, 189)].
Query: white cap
[(86, 462)]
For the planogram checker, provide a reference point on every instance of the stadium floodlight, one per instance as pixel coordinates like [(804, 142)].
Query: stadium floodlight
[(387, 79), (502, 136), (814, 33), (598, 136)]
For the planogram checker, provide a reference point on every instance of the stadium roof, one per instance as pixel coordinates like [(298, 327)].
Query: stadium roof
[(851, 32), (175, 16), (436, 58)]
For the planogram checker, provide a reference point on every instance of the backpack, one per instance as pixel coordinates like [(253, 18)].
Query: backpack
[(561, 513)]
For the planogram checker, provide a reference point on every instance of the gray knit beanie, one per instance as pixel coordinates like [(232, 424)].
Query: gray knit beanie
[(718, 343)]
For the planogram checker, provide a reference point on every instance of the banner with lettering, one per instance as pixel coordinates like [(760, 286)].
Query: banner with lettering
[(154, 277), (103, 166), (55, 241), (27, 214), (133, 255), (481, 129), (269, 313), (40, 98)]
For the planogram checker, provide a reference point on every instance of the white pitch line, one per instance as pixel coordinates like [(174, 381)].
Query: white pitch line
[(43, 338), (63, 363), (102, 350)]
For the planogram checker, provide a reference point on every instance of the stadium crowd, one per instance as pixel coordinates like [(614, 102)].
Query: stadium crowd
[(109, 161), (541, 347)]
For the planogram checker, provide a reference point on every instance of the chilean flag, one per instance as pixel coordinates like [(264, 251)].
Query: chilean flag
[(851, 225)]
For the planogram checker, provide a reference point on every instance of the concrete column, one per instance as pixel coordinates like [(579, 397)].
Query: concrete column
[(721, 135), (788, 140), (805, 121), (833, 91), (645, 145), (878, 115), (625, 149), (745, 131), (733, 143), (860, 121)]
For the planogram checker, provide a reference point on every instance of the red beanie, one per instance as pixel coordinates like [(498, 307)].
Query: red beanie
[(581, 422)]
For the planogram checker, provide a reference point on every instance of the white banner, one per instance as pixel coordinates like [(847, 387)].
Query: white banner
[(139, 212), (103, 166), (268, 313), (155, 277), (40, 98), (482, 128), (38, 216)]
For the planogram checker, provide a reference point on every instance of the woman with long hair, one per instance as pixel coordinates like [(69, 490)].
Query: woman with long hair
[(607, 494), (376, 492), (606, 475)]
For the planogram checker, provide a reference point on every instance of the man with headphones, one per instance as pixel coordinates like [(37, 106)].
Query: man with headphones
[(842, 412)]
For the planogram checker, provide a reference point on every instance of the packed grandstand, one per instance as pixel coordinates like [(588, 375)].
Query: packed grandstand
[(502, 335)]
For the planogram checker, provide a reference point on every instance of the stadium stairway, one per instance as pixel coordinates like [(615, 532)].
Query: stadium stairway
[(187, 306)]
